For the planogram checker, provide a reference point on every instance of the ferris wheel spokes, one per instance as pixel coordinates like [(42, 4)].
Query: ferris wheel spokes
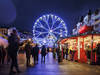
[(46, 21), (57, 33), (49, 28), (59, 26), (53, 21), (41, 25), (40, 32), (38, 35)]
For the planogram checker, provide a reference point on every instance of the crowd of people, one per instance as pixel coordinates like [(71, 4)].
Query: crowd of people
[(14, 42), (69, 54), (33, 51), (10, 53), (64, 53)]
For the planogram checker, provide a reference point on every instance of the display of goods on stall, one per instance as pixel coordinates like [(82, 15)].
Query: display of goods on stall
[(83, 47), (63, 41), (85, 28)]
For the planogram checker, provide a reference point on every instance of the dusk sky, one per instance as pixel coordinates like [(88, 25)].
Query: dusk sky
[(23, 13)]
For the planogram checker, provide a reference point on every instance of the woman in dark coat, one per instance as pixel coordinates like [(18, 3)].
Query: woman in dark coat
[(13, 47), (43, 53)]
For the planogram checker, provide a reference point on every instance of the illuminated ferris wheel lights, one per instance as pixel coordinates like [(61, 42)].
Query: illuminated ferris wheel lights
[(33, 31), (55, 17), (51, 31), (61, 35), (62, 21), (44, 41), (58, 19), (33, 34), (44, 16), (44, 33), (40, 33), (64, 24), (66, 31), (51, 15), (34, 26), (40, 18), (35, 23), (48, 16), (65, 34)]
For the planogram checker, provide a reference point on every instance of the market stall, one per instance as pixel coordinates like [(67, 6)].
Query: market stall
[(83, 46)]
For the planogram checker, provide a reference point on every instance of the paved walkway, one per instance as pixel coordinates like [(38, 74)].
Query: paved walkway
[(51, 67)]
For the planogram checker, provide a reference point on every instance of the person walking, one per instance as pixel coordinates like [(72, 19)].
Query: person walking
[(13, 41), (43, 53), (54, 53), (28, 53), (35, 53), (66, 53), (3, 54)]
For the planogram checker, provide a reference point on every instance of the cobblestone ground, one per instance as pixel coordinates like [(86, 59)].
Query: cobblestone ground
[(51, 67)]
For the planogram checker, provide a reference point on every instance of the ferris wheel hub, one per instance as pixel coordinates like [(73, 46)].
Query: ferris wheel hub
[(51, 31)]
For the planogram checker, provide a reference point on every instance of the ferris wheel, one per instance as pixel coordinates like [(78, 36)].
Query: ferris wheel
[(48, 28)]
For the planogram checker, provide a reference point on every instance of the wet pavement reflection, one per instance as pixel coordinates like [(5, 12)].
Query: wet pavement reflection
[(52, 67)]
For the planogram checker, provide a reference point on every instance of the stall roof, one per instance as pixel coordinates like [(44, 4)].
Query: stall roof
[(80, 35), (84, 34)]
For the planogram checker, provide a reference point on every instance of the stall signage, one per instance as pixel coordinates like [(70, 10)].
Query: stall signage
[(84, 29)]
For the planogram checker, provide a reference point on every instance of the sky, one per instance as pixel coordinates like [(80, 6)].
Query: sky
[(23, 13)]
